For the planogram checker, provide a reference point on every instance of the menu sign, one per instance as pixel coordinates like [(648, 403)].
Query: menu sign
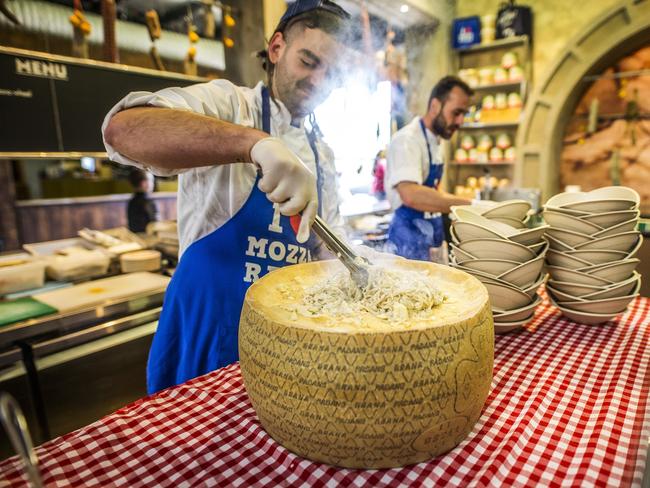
[(56, 105)]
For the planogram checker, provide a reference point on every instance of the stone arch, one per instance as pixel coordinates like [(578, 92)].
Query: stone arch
[(614, 34)]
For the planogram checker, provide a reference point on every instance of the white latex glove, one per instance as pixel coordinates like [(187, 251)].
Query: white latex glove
[(287, 181)]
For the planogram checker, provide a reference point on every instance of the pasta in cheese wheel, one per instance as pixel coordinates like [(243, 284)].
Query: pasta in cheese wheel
[(392, 380)]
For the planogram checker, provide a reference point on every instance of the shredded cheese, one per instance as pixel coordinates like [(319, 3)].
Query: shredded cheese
[(395, 296)]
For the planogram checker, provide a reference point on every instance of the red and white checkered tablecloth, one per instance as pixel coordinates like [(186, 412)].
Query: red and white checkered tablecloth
[(568, 407)]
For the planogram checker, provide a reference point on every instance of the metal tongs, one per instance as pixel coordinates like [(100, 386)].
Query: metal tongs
[(356, 265), (14, 422)]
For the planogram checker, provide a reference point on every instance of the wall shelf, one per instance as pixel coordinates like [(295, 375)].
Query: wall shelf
[(498, 44), (491, 125), (489, 163)]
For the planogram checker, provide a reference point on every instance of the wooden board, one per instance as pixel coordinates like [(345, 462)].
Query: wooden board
[(98, 291)]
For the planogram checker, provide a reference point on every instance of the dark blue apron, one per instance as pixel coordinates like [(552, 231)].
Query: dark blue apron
[(412, 232), (198, 327)]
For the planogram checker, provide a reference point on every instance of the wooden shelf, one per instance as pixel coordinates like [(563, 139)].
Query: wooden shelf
[(499, 44), (490, 163), (491, 125), (510, 85)]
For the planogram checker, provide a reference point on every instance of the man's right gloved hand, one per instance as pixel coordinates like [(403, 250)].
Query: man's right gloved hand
[(286, 181)]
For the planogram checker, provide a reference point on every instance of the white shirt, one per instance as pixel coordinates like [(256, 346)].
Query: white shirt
[(408, 159), (209, 196)]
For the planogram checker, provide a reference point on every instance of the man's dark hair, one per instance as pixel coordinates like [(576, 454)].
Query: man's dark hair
[(319, 18), (136, 177), (445, 85)]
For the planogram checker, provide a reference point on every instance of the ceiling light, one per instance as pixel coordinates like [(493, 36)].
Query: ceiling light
[(404, 8)]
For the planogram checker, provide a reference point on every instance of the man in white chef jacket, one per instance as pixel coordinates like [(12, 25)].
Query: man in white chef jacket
[(414, 171), (246, 161)]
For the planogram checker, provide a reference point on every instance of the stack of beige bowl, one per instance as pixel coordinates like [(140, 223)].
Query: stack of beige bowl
[(593, 240), (495, 246)]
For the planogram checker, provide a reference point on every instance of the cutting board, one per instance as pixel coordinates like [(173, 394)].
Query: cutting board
[(96, 292), (22, 309)]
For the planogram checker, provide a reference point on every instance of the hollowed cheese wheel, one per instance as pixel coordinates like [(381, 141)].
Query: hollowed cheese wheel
[(374, 395)]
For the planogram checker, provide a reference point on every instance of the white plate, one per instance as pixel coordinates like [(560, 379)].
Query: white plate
[(525, 274), (558, 258), (626, 226), (614, 272), (514, 209), (609, 219), (572, 276), (569, 237), (618, 242), (563, 221), (507, 298), (497, 249)]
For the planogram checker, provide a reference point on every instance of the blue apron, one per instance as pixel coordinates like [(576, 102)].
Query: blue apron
[(198, 327), (412, 232)]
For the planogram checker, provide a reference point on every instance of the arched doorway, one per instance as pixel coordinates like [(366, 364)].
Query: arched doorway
[(609, 37)]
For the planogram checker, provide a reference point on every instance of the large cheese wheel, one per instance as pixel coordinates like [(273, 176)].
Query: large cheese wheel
[(377, 396)]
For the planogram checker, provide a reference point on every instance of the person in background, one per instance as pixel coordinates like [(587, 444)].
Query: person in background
[(414, 172), (141, 209), (378, 174), (247, 161)]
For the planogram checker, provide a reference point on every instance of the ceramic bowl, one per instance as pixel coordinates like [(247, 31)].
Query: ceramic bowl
[(614, 272), (470, 217), (572, 276), (515, 224), (517, 314), (606, 199), (540, 248), (505, 327), (557, 244), (559, 220), (626, 226), (466, 231), (566, 211), (568, 237), (560, 296), (506, 298), (604, 306), (532, 289), (559, 258), (525, 274), (494, 267), (630, 286), (585, 318), (461, 255), (529, 237), (575, 289), (496, 249), (618, 242), (513, 209), (596, 256), (610, 219)]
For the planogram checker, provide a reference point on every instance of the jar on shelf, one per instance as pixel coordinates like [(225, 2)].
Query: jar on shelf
[(496, 155), (514, 100), (500, 75), (460, 155), (510, 155), (516, 74), (503, 141), (500, 101), (509, 60), (467, 142)]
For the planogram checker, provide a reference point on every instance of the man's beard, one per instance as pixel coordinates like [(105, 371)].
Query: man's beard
[(298, 104), (441, 128)]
